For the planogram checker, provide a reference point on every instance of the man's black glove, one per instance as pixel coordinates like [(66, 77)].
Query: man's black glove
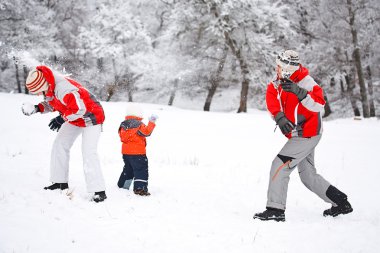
[(56, 123), (289, 86), (285, 125)]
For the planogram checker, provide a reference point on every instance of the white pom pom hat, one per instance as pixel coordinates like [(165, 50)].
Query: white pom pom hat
[(134, 110), (36, 82)]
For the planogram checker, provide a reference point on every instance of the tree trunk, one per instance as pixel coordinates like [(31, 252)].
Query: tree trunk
[(357, 61), (341, 87), (244, 94), (100, 64), (215, 80), (173, 91), (110, 92), (327, 107), (363, 89), (243, 65), (130, 91), (17, 76), (327, 104), (372, 111), (54, 59), (116, 76), (25, 76), (112, 89), (332, 82), (351, 97), (244, 72)]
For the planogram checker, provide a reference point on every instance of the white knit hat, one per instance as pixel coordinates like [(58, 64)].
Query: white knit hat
[(36, 82), (134, 110), (289, 62)]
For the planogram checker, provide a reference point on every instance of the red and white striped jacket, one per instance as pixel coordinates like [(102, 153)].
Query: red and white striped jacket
[(75, 103), (307, 114)]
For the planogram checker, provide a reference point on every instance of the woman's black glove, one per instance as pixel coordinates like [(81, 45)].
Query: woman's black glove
[(56, 123)]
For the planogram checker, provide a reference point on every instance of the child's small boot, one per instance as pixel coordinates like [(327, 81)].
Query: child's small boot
[(141, 192)]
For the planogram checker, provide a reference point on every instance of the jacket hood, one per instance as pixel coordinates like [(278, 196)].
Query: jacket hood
[(134, 110), (48, 74)]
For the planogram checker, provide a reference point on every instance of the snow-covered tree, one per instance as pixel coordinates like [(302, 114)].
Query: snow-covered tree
[(164, 50), (25, 26), (206, 28), (113, 37)]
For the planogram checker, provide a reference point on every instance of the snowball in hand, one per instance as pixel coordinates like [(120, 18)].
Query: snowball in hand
[(28, 108)]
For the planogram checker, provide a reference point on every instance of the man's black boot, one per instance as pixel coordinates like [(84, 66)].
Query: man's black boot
[(343, 208), (271, 214), (340, 199)]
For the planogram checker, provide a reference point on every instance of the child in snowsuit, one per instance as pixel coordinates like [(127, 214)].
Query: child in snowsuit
[(133, 133)]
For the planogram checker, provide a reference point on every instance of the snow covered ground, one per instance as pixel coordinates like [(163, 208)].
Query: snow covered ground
[(208, 176)]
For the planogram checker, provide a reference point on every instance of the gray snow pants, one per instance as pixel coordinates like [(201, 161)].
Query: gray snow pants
[(299, 152)]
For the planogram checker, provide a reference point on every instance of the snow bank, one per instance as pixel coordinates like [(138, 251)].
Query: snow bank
[(208, 176)]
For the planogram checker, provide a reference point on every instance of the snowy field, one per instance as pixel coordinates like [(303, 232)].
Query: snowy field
[(208, 176)]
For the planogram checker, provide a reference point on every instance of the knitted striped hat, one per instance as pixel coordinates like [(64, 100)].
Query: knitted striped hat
[(36, 82), (289, 61)]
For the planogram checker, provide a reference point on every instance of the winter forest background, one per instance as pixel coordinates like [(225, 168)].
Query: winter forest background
[(217, 54)]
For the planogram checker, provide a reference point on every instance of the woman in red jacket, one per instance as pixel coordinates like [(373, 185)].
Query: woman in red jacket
[(79, 114), (296, 103), (133, 133)]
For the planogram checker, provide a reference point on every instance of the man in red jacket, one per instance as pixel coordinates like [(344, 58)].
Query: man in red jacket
[(79, 113), (296, 103)]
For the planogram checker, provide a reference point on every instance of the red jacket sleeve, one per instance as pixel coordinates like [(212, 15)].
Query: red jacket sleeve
[(44, 107), (272, 100), (146, 130), (315, 101)]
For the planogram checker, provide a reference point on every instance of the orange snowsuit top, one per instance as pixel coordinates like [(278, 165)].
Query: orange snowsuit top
[(133, 135)]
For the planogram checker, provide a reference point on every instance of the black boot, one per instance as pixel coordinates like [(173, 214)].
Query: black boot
[(55, 186), (99, 196), (343, 208), (271, 214), (340, 199)]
